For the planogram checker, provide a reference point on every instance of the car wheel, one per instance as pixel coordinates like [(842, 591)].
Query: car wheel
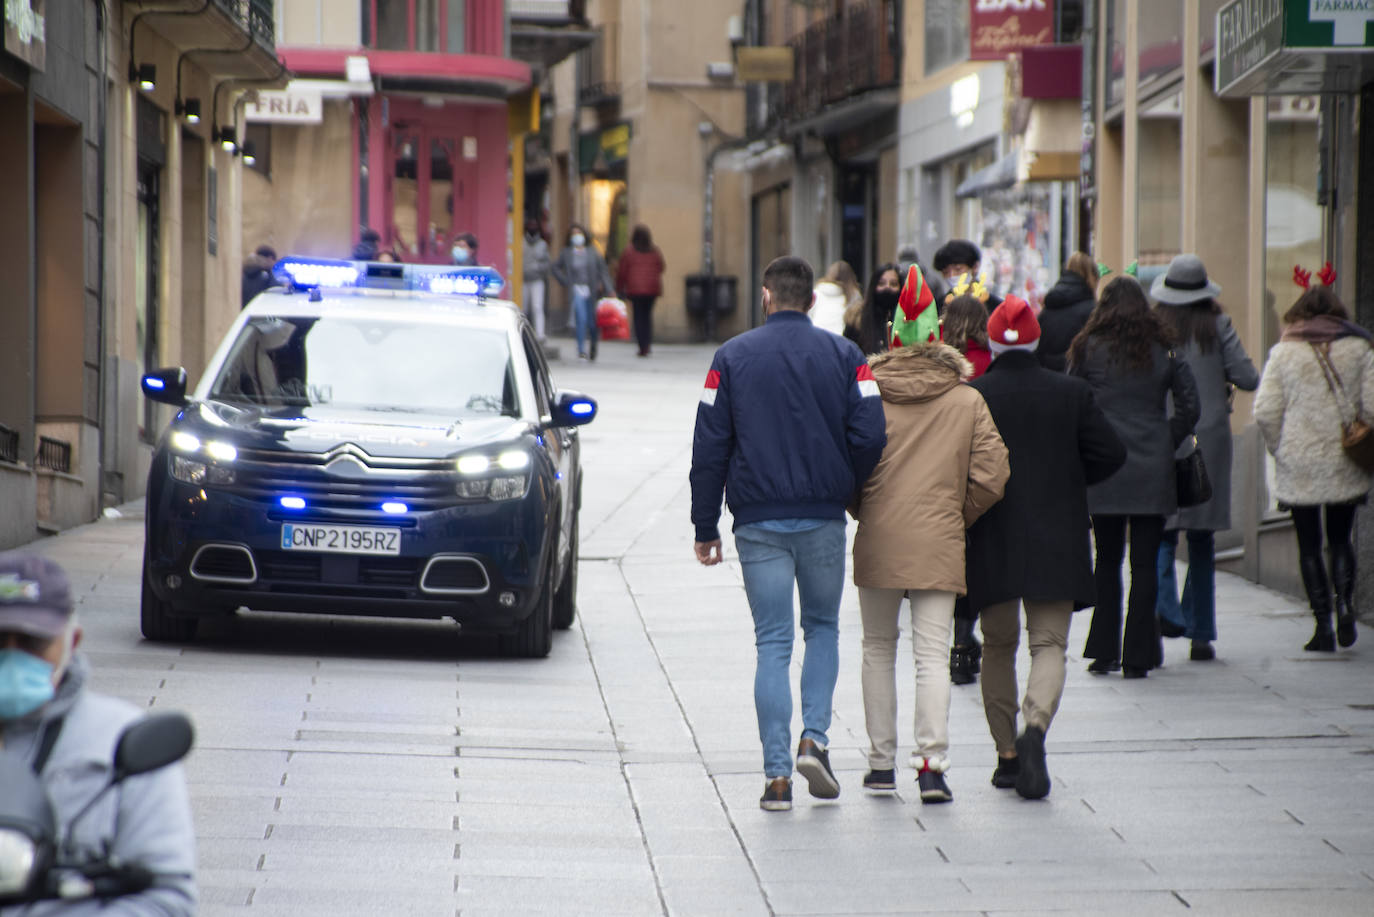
[(534, 639), (565, 600), (157, 620)]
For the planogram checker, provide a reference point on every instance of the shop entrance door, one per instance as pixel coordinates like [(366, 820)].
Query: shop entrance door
[(432, 192)]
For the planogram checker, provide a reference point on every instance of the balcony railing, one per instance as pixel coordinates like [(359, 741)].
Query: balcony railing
[(256, 16), (9, 445), (54, 454), (842, 56), (598, 72)]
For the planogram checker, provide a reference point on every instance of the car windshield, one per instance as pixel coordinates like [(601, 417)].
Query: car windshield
[(370, 364)]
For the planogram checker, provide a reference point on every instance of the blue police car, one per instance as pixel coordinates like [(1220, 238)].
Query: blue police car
[(374, 439)]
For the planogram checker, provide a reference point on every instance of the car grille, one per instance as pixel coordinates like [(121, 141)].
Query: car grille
[(344, 478), (292, 567)]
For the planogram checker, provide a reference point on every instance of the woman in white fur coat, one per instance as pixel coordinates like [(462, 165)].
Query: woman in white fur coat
[(1300, 415)]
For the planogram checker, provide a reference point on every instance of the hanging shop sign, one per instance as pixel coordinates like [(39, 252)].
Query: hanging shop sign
[(1001, 27), (599, 151), (26, 31), (286, 106), (765, 64), (1291, 47)]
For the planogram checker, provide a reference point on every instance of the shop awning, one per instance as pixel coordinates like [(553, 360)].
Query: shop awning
[(999, 176)]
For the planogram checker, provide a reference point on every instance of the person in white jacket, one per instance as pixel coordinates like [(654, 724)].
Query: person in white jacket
[(837, 291)]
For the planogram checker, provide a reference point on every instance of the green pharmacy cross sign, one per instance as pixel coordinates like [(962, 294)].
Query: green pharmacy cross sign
[(1276, 46)]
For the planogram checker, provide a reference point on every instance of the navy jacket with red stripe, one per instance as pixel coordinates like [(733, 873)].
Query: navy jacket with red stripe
[(790, 426)]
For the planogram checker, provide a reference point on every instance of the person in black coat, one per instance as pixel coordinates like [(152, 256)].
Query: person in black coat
[(1067, 307), (1032, 549)]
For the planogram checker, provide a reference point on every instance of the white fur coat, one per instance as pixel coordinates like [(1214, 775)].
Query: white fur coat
[(1299, 418)]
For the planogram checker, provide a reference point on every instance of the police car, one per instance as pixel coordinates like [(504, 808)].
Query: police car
[(372, 439)]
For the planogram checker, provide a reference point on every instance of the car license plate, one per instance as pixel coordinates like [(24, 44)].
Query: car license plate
[(340, 539)]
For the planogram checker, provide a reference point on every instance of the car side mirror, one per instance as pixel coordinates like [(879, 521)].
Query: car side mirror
[(153, 742), (572, 409), (166, 385)]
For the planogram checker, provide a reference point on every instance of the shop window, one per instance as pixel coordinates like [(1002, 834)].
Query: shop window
[(416, 25), (260, 135), (1293, 218), (1159, 190), (1160, 37), (947, 38)]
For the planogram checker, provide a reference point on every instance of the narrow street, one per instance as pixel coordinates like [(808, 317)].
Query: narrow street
[(348, 766)]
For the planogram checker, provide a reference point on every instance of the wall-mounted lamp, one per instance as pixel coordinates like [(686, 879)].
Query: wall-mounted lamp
[(189, 109), (228, 139), (249, 154), (144, 76)]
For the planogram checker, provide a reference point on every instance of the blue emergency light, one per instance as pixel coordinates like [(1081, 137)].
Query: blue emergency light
[(318, 273)]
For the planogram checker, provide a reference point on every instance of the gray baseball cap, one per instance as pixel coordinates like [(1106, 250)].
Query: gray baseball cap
[(35, 597)]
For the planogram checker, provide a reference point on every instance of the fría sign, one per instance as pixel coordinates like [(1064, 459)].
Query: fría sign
[(26, 31), (998, 28), (292, 106)]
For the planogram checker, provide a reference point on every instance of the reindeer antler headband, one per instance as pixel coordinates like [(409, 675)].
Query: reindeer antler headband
[(1327, 275)]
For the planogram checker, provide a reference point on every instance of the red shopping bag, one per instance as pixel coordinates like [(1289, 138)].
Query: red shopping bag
[(613, 319)]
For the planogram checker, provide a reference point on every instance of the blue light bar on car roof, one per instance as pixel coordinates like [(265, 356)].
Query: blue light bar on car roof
[(310, 273)]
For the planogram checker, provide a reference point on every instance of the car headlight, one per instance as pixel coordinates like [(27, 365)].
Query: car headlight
[(486, 480), (504, 487), (17, 857), (189, 471)]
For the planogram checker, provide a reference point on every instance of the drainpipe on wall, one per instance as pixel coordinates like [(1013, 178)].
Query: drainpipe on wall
[(708, 226), (101, 385)]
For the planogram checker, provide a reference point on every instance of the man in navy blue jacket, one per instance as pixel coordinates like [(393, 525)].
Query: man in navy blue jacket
[(789, 427)]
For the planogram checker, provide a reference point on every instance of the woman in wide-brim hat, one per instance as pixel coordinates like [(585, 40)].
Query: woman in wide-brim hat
[(1187, 302)]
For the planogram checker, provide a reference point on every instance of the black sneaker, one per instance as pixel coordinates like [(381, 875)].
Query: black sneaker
[(1004, 777), (1104, 666), (813, 763), (1202, 651), (933, 787), (777, 795), (963, 669), (1033, 780), (881, 779)]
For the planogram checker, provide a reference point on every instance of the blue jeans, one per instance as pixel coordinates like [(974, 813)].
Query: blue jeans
[(582, 311), (1197, 612), (772, 562)]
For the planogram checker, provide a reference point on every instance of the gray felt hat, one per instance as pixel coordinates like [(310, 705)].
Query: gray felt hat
[(1184, 282)]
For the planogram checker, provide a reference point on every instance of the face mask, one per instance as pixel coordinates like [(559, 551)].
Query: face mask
[(885, 300), (578, 240), (26, 683), (460, 255)]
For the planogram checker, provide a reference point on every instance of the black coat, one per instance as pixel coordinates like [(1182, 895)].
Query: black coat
[(1067, 307), (1034, 544)]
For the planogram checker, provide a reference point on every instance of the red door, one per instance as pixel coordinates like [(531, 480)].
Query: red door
[(432, 190)]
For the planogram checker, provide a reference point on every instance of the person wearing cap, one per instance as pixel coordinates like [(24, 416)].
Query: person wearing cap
[(1207, 342), (1032, 549), (1125, 352), (257, 272), (960, 258), (67, 733)]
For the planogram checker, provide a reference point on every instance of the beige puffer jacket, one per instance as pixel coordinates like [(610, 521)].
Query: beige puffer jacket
[(943, 467), (1301, 423)]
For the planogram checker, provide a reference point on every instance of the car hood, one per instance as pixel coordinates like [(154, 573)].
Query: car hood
[(320, 429)]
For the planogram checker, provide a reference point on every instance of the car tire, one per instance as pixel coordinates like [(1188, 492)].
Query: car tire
[(157, 620), (565, 599), (534, 638)]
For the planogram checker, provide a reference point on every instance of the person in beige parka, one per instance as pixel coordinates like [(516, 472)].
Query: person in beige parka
[(943, 467)]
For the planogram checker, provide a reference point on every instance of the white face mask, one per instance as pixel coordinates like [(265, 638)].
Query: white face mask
[(460, 254), (578, 240)]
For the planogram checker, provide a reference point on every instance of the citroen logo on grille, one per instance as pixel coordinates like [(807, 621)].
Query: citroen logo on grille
[(346, 460)]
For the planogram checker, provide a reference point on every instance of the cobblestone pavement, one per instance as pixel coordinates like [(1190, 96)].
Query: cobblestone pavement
[(350, 766)]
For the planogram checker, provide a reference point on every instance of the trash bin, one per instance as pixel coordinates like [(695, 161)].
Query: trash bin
[(726, 294), (697, 294)]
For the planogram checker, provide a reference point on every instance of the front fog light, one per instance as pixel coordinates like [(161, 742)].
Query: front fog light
[(17, 857), (187, 471)]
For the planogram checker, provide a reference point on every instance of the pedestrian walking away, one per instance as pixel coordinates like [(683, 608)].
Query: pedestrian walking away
[(943, 466), (639, 278), (1032, 549), (1318, 382), (1067, 307), (866, 322), (1124, 352), (534, 274), (836, 293), (789, 427), (1209, 345), (965, 329), (67, 733), (582, 271)]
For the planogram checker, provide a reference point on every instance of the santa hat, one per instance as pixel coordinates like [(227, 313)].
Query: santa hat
[(1012, 326)]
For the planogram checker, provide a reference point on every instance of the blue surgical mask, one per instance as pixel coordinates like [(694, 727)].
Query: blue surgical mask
[(25, 683), (578, 240), (460, 255)]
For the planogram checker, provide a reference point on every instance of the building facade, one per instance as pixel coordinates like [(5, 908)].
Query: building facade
[(121, 238)]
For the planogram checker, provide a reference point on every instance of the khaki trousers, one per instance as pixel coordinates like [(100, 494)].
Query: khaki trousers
[(932, 619), (1047, 628)]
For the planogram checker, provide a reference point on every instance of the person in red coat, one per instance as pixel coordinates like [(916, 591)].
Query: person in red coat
[(966, 330), (639, 278)]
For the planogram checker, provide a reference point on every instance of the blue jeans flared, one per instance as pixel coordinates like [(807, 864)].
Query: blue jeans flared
[(582, 310), (1196, 613), (772, 563)]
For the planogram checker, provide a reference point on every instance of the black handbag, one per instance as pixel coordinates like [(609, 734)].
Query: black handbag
[(1190, 475)]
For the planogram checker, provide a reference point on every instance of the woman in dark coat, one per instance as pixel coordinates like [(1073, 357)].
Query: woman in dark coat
[(1210, 346), (865, 323), (1067, 307), (1124, 352), (639, 278)]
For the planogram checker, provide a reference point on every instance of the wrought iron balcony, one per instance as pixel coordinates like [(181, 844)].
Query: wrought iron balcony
[(598, 71), (840, 58), (236, 38)]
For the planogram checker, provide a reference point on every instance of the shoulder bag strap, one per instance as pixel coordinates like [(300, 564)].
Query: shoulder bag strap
[(46, 740), (1333, 379)]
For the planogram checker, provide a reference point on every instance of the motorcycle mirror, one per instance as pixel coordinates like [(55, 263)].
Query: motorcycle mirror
[(155, 741)]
